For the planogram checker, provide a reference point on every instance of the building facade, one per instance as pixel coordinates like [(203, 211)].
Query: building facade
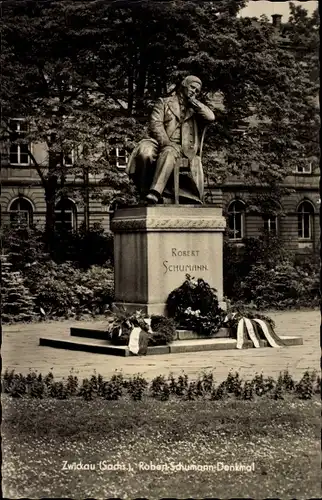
[(296, 223), (296, 220), (22, 197)]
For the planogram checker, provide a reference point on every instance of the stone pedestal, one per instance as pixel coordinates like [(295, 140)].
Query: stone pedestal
[(156, 246)]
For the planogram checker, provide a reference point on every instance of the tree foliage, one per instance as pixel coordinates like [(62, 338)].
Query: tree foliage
[(87, 73)]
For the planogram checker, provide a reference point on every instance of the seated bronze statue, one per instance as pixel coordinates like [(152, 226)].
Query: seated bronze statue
[(174, 140)]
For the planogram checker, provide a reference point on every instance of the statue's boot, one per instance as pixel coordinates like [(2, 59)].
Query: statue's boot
[(152, 198)]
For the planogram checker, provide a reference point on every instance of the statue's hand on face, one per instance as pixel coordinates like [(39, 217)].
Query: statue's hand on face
[(194, 103), (191, 92)]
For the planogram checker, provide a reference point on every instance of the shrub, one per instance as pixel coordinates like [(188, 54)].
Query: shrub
[(265, 274), (305, 387), (17, 303), (37, 389), (288, 381), (48, 379), (24, 246), (266, 250), (62, 290), (233, 384), (258, 384), (100, 282), (172, 384), (247, 392), (220, 392), (191, 393), (279, 287), (136, 387), (182, 384), (194, 305), (160, 388), (72, 385), (18, 386), (7, 380), (278, 391), (207, 382), (57, 390), (112, 391), (269, 384), (38, 386), (100, 384), (84, 248), (86, 390)]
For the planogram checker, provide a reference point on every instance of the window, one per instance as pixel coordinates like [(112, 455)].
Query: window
[(305, 213), (119, 157), (18, 150), (21, 213), (236, 220), (270, 224), (65, 215), (305, 168), (69, 159)]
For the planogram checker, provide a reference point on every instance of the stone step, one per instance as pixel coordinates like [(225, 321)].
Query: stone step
[(97, 346), (177, 346), (190, 335), (92, 333)]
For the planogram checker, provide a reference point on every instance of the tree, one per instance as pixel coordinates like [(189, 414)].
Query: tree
[(87, 73), (268, 119), (44, 84)]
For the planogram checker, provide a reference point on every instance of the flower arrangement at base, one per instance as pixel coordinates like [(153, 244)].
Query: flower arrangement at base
[(194, 305), (247, 325), (158, 329)]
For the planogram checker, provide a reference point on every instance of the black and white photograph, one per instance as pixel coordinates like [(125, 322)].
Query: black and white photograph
[(160, 249)]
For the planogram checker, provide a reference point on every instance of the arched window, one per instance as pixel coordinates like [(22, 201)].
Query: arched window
[(66, 215), (236, 220), (21, 212), (305, 213)]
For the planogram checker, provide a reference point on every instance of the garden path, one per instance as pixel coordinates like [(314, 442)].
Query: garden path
[(21, 352)]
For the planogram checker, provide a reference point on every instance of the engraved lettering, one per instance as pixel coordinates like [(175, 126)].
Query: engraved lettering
[(184, 253)]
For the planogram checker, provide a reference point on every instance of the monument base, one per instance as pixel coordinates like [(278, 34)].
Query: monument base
[(155, 247), (150, 309), (94, 341)]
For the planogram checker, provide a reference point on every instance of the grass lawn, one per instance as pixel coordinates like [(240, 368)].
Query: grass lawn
[(280, 438)]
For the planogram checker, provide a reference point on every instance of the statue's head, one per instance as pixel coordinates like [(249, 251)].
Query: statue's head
[(191, 86)]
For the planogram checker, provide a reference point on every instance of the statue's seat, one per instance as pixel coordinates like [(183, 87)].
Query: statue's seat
[(181, 166)]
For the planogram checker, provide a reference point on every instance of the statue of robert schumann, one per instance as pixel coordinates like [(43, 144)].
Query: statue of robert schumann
[(175, 134)]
